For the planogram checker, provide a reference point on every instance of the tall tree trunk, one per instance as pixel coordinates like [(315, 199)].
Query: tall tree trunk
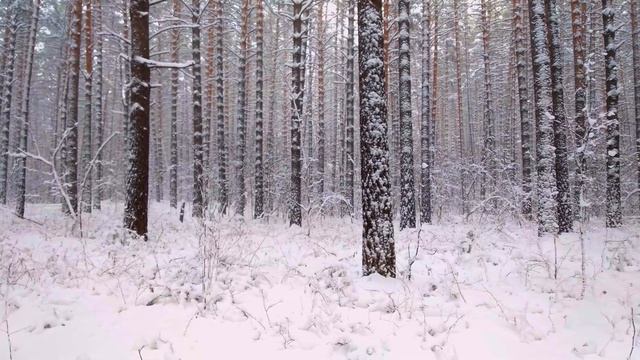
[(321, 94), (71, 144), (565, 213), (378, 254), (426, 117), (523, 102), (137, 185), (460, 139), (88, 92), (5, 117), (259, 165), (242, 108), (635, 43), (222, 148), (614, 212), (297, 98), (545, 154), (24, 136), (198, 150), (488, 150), (407, 187), (349, 141), (578, 20), (99, 115), (173, 137)]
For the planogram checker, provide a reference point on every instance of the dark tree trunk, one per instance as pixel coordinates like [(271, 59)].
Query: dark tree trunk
[(614, 212), (137, 182), (545, 154), (242, 108), (198, 150), (173, 137), (88, 92), (578, 19), (222, 148), (99, 115), (5, 117), (349, 141), (635, 43), (407, 187), (426, 117), (378, 254), (563, 198)]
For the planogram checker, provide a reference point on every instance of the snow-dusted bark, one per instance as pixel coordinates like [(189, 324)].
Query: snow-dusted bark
[(545, 151), (71, 143), (524, 107), (426, 117), (222, 148), (349, 126), (88, 108), (259, 164), (488, 149), (6, 96), (321, 94), (565, 211), (196, 92), (99, 120), (242, 108), (378, 253), (614, 211), (460, 136), (24, 136), (635, 43), (297, 100), (407, 187), (137, 181), (578, 22), (173, 136)]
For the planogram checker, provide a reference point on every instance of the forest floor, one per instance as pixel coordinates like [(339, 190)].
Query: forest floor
[(245, 290)]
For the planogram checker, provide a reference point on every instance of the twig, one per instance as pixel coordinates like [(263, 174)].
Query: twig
[(633, 337)]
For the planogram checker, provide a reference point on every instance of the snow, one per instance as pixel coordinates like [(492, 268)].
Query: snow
[(246, 289)]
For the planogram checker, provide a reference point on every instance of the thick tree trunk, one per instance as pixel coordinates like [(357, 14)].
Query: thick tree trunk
[(635, 43), (426, 117), (173, 136), (24, 136), (378, 254), (5, 116), (563, 198), (297, 98), (614, 211), (222, 148), (523, 102), (460, 137), (578, 20), (198, 150), (321, 94), (242, 109), (407, 187), (488, 149), (137, 182), (88, 92), (545, 153), (98, 113), (349, 126)]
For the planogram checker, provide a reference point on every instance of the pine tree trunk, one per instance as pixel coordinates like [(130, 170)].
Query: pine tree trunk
[(242, 108), (137, 182), (173, 141), (488, 150), (5, 117), (460, 138), (426, 117), (297, 98), (545, 154), (321, 94), (407, 187), (349, 141), (259, 164), (378, 254), (24, 136), (614, 212), (523, 102), (71, 144), (222, 148), (88, 92), (198, 150), (98, 112), (578, 20), (563, 198), (635, 43)]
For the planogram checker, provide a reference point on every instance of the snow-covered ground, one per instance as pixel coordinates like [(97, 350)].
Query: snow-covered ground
[(245, 290)]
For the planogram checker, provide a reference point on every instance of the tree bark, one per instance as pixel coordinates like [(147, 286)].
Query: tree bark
[(426, 153), (198, 150), (9, 71)]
